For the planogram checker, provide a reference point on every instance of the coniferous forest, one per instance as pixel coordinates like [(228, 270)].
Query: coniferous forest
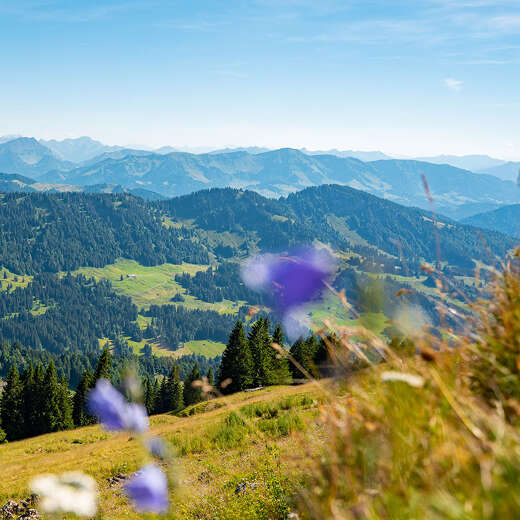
[(52, 318)]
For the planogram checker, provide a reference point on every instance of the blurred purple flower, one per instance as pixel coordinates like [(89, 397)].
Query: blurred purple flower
[(113, 411), (157, 448), (296, 323), (136, 418), (148, 489), (291, 280)]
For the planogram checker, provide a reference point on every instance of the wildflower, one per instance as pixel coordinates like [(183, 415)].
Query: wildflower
[(403, 377), (293, 280), (137, 418), (296, 323), (148, 490), (114, 412), (157, 447), (72, 492)]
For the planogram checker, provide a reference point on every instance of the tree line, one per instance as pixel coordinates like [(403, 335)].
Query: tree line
[(260, 358), (61, 232), (38, 401), (74, 312), (219, 283), (176, 324)]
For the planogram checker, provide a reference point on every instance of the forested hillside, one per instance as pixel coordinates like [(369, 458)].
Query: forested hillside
[(505, 220), (65, 291), (365, 221), (62, 232)]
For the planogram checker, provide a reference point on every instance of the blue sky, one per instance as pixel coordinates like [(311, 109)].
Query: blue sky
[(405, 77)]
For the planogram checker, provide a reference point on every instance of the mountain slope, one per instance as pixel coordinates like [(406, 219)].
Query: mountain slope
[(61, 232), (506, 220), (360, 220), (26, 156), (474, 163), (507, 171), (10, 183), (77, 150), (284, 171)]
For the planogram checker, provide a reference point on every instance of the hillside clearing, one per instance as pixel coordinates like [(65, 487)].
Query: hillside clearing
[(211, 469)]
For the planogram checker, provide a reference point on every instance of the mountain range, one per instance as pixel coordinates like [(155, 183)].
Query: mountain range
[(75, 164), (505, 219), (10, 183)]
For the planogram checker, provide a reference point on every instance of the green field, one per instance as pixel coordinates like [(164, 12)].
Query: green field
[(154, 285), (332, 311), (213, 456), (151, 285), (8, 279), (202, 348)]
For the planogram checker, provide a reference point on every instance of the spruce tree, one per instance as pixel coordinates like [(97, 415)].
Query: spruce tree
[(149, 400), (39, 397), (29, 401), (80, 415), (12, 406), (262, 352), (161, 401), (304, 352), (176, 390), (103, 366), (65, 404), (209, 377), (192, 394), (237, 363), (281, 372), (155, 395), (57, 410)]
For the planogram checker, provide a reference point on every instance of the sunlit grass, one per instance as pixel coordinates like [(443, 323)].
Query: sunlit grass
[(218, 447)]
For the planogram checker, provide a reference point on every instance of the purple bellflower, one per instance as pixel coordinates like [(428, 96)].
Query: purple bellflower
[(148, 490), (291, 281), (114, 412)]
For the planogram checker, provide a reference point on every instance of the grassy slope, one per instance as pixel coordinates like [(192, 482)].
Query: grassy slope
[(210, 468), (155, 285)]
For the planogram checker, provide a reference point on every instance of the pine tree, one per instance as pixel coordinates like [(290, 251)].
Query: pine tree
[(237, 363), (192, 394), (262, 352), (30, 406), (304, 352), (176, 390), (80, 415), (57, 410), (11, 409), (155, 395), (281, 372), (103, 366), (209, 377), (149, 401), (39, 397)]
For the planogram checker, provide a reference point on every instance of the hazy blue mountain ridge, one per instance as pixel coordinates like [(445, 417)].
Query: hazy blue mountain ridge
[(505, 219), (509, 171), (285, 171), (26, 156)]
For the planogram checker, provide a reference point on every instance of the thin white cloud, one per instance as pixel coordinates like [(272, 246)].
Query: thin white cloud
[(453, 84)]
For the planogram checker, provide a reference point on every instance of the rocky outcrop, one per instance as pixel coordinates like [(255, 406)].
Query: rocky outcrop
[(22, 510)]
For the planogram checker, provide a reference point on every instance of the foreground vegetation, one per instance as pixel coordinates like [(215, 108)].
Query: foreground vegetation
[(244, 438)]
